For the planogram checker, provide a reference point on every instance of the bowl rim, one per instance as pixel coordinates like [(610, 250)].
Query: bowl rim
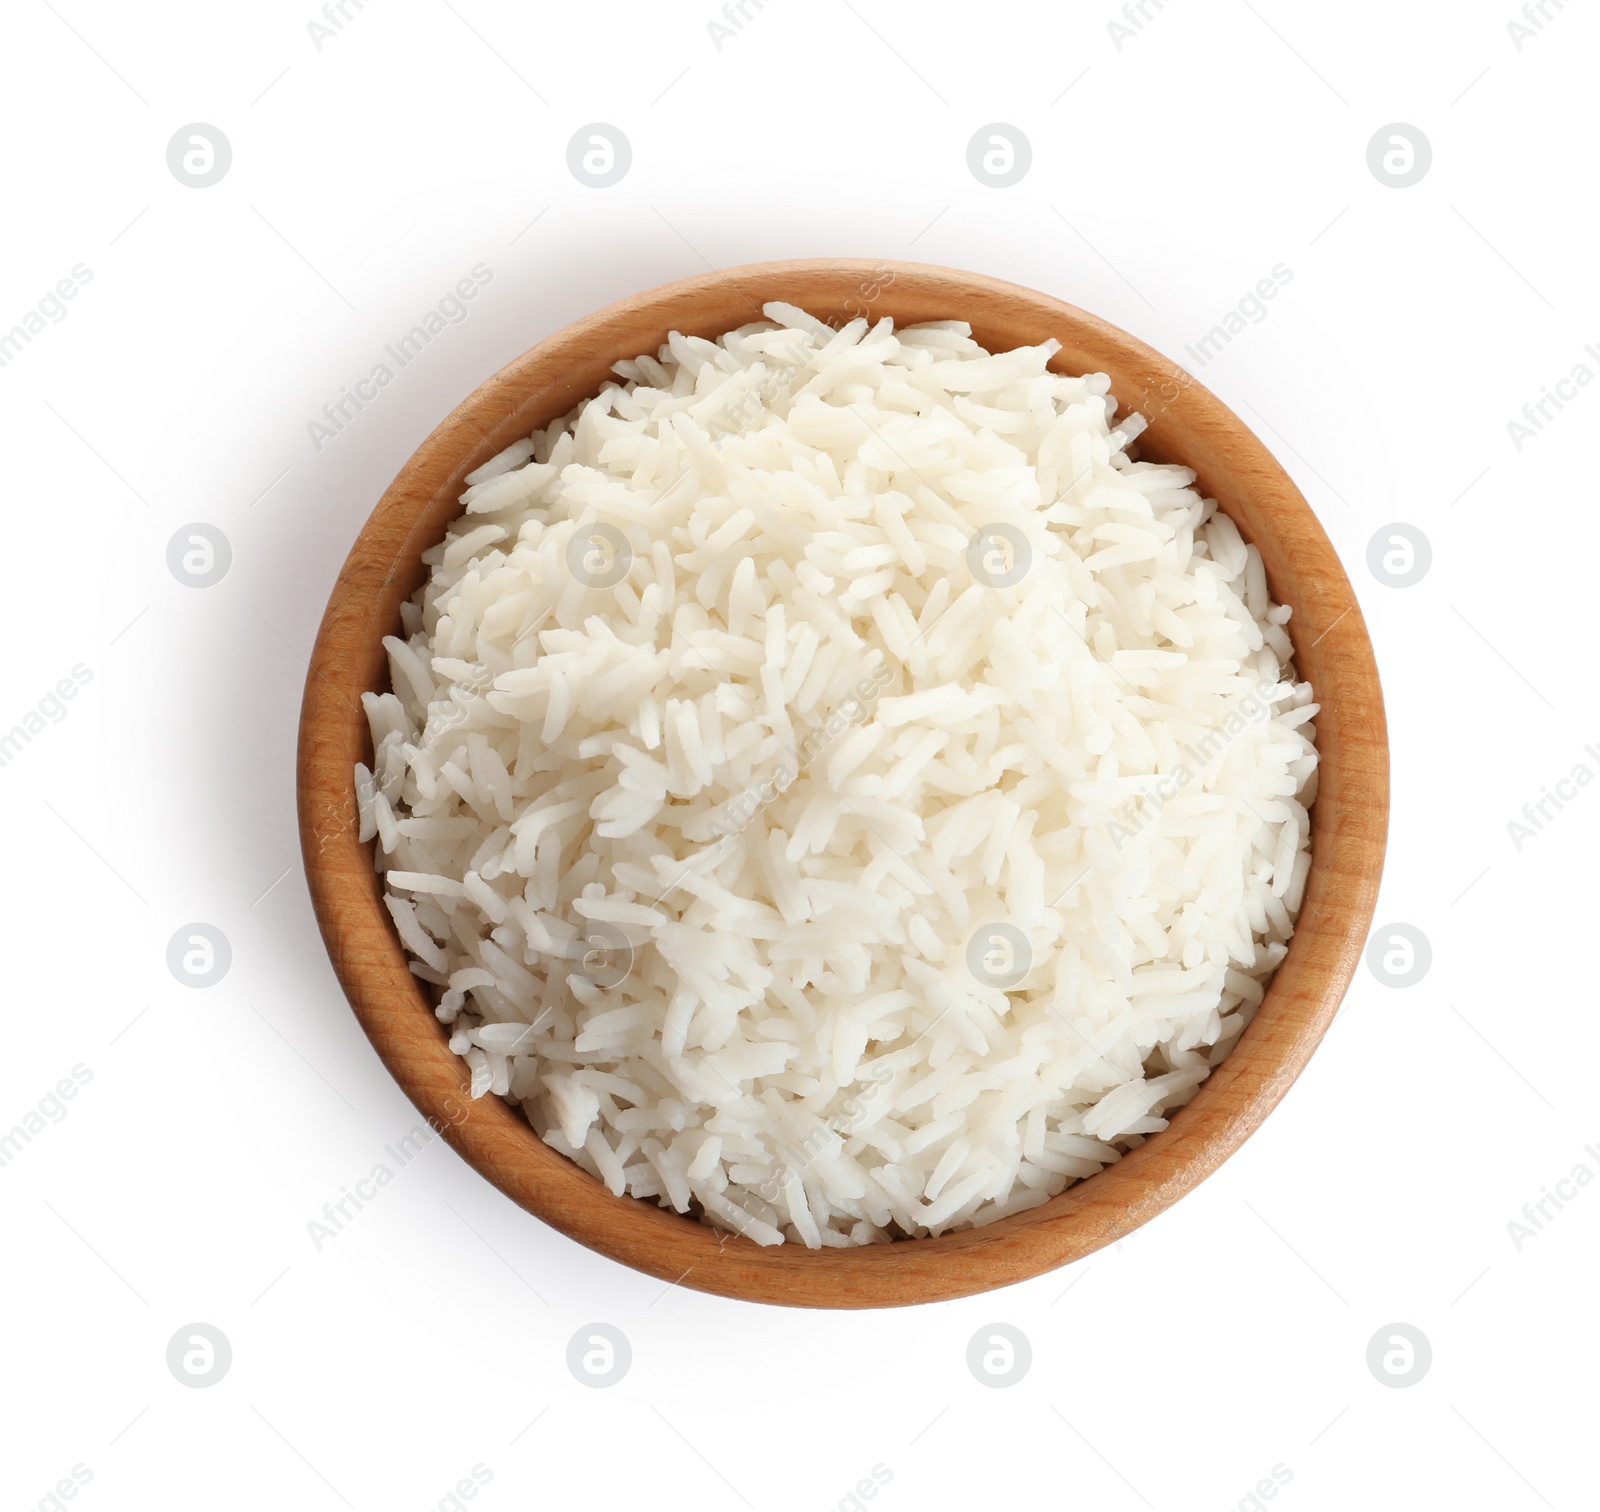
[(1188, 423)]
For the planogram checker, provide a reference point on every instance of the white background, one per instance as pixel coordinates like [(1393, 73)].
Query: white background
[(1169, 174)]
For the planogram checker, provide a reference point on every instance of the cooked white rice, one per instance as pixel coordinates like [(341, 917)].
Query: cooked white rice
[(837, 792)]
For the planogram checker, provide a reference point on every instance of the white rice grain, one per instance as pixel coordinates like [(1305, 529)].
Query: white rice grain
[(795, 875)]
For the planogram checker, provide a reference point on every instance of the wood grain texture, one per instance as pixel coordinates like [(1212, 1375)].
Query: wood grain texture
[(1188, 425)]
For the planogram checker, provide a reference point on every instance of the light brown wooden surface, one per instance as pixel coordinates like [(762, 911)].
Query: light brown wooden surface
[(1188, 425)]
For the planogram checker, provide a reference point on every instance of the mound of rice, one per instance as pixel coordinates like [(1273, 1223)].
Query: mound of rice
[(835, 790)]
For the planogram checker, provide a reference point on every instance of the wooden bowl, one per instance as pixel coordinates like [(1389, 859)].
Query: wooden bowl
[(1188, 425)]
